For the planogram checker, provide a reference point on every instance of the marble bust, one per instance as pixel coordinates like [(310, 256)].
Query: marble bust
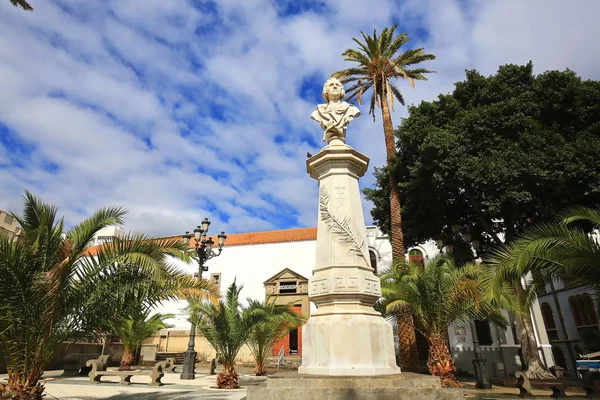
[(336, 114)]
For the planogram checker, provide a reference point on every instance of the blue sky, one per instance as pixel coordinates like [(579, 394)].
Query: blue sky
[(184, 109)]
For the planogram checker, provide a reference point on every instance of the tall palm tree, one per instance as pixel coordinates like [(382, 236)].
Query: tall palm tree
[(23, 4), (133, 329), (558, 250), (279, 320), (53, 291), (226, 325), (439, 294), (378, 63)]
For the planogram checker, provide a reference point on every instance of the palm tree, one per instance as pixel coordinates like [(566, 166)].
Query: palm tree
[(556, 250), (23, 4), (53, 291), (439, 294), (279, 320), (133, 329), (378, 62), (226, 325)]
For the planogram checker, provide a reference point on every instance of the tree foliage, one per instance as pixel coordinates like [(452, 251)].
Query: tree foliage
[(133, 329), (23, 4), (439, 294), (498, 154), (226, 325), (279, 319), (54, 290)]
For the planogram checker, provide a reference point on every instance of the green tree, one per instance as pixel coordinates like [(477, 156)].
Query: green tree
[(226, 325), (51, 286), (279, 319), (439, 294), (495, 156), (23, 4), (133, 329), (378, 62)]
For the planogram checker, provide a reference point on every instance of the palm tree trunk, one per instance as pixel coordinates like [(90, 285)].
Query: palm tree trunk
[(395, 208), (23, 389), (126, 360), (409, 359), (259, 366), (439, 360), (535, 367), (407, 342), (228, 378)]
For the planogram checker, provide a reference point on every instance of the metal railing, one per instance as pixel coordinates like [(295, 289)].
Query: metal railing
[(281, 357)]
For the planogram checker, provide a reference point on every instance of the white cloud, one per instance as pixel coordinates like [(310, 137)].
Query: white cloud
[(179, 112)]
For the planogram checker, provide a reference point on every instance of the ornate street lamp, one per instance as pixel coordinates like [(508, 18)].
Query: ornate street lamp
[(479, 363), (204, 252)]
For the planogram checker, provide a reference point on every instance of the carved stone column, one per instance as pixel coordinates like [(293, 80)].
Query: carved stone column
[(345, 336)]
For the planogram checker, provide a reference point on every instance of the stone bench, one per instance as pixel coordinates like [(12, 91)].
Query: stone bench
[(590, 384), (75, 362), (155, 374), (173, 367)]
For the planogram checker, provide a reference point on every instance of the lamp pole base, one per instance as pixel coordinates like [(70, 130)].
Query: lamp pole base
[(481, 375), (189, 365)]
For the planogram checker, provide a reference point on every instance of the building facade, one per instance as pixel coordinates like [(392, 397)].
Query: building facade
[(9, 226)]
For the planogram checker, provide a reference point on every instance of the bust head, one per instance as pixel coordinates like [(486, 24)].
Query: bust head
[(333, 85)]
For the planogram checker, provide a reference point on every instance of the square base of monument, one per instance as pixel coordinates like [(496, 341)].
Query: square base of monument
[(348, 345), (385, 387)]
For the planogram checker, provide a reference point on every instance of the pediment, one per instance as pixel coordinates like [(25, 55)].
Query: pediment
[(285, 274)]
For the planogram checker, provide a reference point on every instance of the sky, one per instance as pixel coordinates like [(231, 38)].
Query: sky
[(185, 109)]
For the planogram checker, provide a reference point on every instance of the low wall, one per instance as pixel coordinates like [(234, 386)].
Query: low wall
[(176, 341)]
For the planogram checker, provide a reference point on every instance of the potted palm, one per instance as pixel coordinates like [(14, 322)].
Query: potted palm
[(226, 325)]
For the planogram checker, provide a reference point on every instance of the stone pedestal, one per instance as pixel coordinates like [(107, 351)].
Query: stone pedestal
[(345, 336), (389, 387)]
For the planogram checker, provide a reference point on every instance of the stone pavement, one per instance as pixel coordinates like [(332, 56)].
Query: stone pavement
[(79, 388)]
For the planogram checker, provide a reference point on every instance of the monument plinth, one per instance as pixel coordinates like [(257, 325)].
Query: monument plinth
[(345, 335)]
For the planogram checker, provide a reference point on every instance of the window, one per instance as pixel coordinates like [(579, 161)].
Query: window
[(288, 287), (8, 219), (484, 333), (373, 258), (549, 321), (415, 255), (559, 357), (582, 308)]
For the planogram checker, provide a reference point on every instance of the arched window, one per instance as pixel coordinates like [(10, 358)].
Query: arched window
[(415, 255), (549, 321), (575, 310), (373, 258), (584, 312), (588, 309), (559, 357)]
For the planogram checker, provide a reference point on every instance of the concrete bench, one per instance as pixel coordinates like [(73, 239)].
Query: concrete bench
[(74, 362), (173, 367), (524, 384), (155, 374), (589, 383)]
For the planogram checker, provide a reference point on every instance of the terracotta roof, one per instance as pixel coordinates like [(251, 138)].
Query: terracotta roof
[(250, 238)]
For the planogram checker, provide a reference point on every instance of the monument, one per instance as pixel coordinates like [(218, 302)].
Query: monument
[(348, 348)]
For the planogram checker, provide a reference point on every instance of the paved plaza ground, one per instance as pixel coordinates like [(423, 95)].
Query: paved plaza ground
[(79, 388)]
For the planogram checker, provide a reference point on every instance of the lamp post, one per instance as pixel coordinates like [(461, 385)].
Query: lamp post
[(204, 252), (479, 363)]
